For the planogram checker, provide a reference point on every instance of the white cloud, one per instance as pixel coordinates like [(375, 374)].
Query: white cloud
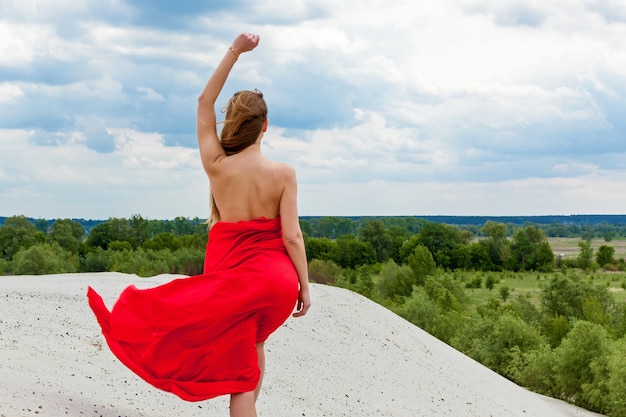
[(70, 180), (10, 92), (396, 107)]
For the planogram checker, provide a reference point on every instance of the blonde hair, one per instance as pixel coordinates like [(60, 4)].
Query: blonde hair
[(246, 113)]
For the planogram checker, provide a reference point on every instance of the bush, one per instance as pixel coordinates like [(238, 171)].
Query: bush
[(616, 383), (496, 341), (422, 263), (394, 280), (585, 345), (425, 313), (43, 258), (4, 266), (535, 370), (475, 282), (323, 272), (143, 263), (98, 260), (189, 261)]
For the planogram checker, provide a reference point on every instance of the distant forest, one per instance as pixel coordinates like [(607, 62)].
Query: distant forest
[(578, 225)]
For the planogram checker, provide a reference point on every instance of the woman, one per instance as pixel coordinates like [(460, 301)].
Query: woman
[(203, 336)]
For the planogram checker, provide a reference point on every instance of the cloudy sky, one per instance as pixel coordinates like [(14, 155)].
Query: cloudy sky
[(384, 107)]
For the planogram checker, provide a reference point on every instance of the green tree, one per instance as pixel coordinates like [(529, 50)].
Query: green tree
[(555, 328), (322, 248), (353, 252), (68, 234), (139, 231), (505, 292), (586, 344), (441, 240), (42, 225), (534, 370), (306, 227), (394, 280), (144, 263), (496, 244), (183, 226), (490, 281), (495, 340), (96, 260), (422, 264), (374, 233), (530, 251), (587, 232), (358, 280), (616, 383), (333, 227), (189, 260), (16, 234), (605, 255), (426, 313), (106, 232), (565, 296), (164, 240), (44, 258), (585, 256), (479, 259), (399, 235), (323, 271)]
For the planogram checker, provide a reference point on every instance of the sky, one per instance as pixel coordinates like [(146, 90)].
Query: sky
[(384, 107)]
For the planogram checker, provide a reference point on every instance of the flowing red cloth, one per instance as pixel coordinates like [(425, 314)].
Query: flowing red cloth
[(196, 337)]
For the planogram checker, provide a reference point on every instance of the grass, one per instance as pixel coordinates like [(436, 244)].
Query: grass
[(569, 246), (529, 284)]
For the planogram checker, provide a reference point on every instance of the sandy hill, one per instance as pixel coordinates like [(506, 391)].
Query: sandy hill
[(347, 357)]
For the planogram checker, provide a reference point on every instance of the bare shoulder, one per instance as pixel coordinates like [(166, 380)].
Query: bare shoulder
[(284, 171)]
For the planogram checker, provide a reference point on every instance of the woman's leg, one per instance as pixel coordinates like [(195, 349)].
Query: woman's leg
[(242, 405), (260, 351)]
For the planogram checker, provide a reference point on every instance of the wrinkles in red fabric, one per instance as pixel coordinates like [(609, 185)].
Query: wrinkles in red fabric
[(196, 337)]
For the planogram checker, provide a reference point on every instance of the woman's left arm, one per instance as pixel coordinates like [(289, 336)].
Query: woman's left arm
[(211, 150)]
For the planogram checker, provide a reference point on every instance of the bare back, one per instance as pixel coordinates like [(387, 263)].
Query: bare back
[(248, 186)]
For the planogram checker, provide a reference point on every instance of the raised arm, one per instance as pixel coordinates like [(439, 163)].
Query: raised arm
[(294, 242), (210, 148)]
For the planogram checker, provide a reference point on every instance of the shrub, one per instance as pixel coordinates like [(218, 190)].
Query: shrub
[(97, 260), (586, 344), (43, 258), (425, 313), (616, 383), (143, 263), (535, 369), (189, 260), (496, 341), (475, 282), (505, 292), (323, 272), (422, 263), (394, 280)]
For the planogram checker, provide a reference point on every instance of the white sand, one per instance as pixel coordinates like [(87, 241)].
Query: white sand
[(347, 357)]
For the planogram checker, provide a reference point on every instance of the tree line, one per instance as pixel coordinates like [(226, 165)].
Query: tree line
[(133, 245)]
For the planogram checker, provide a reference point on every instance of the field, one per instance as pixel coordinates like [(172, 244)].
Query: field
[(528, 284), (569, 246)]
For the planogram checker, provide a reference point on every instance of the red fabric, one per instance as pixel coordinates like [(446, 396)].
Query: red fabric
[(196, 336)]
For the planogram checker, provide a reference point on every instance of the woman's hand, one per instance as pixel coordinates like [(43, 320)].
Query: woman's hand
[(304, 302), (245, 42)]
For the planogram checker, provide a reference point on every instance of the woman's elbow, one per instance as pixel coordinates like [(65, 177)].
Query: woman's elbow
[(292, 238)]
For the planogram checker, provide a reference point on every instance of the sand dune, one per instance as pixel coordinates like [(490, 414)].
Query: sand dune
[(347, 357)]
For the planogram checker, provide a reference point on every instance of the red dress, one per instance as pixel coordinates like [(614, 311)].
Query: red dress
[(196, 337)]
